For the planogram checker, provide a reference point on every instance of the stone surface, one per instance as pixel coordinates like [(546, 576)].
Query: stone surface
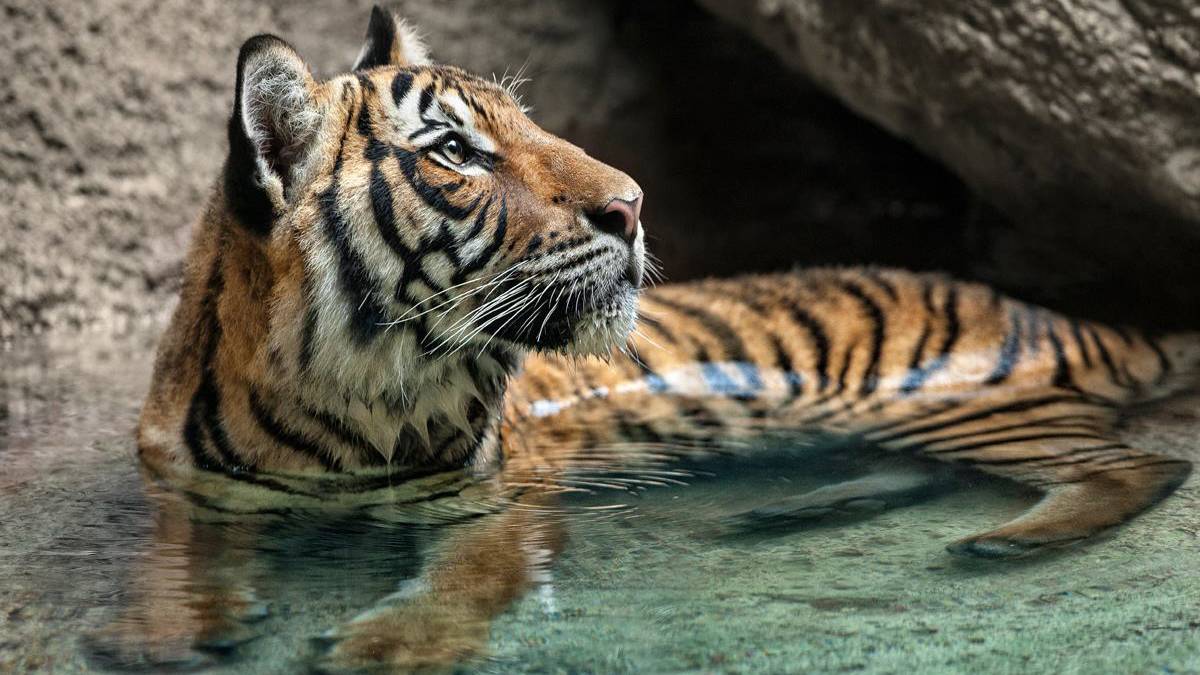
[(660, 587), (1072, 125), (112, 131), (1079, 119)]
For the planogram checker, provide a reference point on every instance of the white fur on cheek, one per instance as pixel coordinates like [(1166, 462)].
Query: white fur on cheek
[(607, 327)]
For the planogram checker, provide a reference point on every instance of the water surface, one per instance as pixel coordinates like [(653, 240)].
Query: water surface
[(650, 578)]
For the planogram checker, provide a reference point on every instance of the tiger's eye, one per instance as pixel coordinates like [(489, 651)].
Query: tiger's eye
[(454, 150)]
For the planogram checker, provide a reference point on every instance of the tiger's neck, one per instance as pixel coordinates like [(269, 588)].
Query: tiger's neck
[(379, 401), (297, 387), (369, 415)]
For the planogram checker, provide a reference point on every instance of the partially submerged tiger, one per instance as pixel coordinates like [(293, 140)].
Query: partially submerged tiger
[(394, 261)]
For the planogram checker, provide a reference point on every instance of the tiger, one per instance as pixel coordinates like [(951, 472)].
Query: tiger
[(401, 288)]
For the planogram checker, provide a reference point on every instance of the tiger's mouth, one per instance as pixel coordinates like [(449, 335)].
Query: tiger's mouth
[(574, 320), (586, 307)]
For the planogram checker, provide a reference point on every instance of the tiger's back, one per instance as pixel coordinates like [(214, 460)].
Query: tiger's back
[(918, 363)]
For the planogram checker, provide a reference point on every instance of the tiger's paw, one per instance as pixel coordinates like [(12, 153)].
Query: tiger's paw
[(876, 492), (993, 548), (129, 644), (1006, 544), (136, 648), (405, 639)]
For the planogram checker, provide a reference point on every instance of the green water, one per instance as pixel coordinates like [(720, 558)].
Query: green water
[(667, 582)]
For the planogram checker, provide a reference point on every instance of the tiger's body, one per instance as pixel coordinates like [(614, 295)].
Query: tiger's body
[(912, 363), (386, 277)]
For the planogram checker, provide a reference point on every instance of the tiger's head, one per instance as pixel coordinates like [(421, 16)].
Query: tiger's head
[(428, 208)]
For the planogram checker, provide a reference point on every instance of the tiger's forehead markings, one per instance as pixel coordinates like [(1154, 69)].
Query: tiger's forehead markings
[(441, 104), (479, 110), (401, 85)]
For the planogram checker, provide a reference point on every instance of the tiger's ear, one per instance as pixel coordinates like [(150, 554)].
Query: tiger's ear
[(275, 117), (391, 41)]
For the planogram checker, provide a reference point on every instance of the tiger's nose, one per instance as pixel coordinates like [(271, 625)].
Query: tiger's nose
[(619, 217)]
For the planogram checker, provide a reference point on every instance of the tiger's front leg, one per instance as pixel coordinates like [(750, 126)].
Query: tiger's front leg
[(887, 485), (188, 603), (444, 617)]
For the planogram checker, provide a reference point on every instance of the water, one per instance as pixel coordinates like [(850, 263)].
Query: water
[(658, 579)]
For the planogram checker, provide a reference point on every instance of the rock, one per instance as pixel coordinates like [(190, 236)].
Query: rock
[(112, 127), (113, 113), (1079, 120)]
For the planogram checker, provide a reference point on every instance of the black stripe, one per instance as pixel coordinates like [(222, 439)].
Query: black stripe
[(571, 263), (401, 85), (870, 378), (1128, 457), (486, 255), (385, 222), (657, 326), (366, 314), (209, 395), (1167, 489), (928, 411), (433, 195), (817, 337), (886, 286), (193, 431), (1017, 406), (366, 87), (566, 244), (281, 435), (819, 340), (309, 330), (426, 99), (912, 380), (1105, 357), (917, 377), (1054, 421), (340, 429), (1062, 368), (1164, 363), (841, 376), (200, 408), (1010, 351), (423, 105), (927, 297), (783, 361), (1009, 441), (731, 343), (1072, 456), (633, 431), (1077, 336), (480, 219)]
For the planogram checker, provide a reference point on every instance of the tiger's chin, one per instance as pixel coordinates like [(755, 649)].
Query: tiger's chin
[(607, 326), (593, 331)]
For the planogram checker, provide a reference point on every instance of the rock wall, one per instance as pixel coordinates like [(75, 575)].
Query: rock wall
[(112, 131), (1079, 120), (112, 128)]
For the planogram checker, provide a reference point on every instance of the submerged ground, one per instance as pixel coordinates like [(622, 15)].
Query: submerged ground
[(664, 586)]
